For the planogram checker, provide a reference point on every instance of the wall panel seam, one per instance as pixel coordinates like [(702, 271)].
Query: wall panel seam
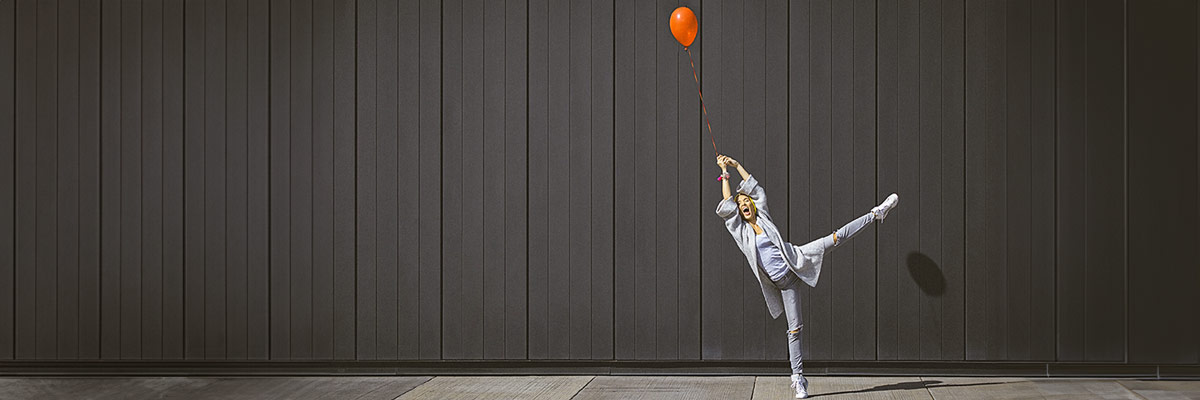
[(1125, 163)]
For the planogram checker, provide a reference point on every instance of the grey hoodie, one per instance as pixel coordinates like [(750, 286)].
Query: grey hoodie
[(804, 260)]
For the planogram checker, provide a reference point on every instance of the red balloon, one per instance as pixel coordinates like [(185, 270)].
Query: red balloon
[(684, 26)]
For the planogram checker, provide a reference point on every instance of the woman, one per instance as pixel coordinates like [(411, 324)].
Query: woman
[(781, 266)]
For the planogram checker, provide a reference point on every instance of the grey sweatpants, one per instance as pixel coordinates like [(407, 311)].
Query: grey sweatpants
[(789, 287)]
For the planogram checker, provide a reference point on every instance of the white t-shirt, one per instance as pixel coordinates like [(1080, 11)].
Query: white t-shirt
[(770, 259)]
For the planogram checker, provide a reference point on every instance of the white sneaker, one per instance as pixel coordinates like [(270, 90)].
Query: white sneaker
[(801, 386), (881, 211)]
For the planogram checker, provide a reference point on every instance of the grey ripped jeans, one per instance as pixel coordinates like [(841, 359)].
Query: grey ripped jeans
[(789, 286)]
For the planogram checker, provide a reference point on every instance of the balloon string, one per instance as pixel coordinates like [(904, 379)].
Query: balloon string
[(706, 121)]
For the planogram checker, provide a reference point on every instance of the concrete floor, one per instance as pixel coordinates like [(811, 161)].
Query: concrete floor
[(592, 387)]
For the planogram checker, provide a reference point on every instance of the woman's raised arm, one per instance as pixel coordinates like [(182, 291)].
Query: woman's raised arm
[(749, 185), (723, 162), (740, 168)]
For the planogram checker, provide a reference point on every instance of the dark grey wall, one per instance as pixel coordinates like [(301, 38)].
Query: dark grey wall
[(532, 179)]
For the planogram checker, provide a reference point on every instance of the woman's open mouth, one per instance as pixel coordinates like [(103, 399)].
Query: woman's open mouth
[(746, 211)]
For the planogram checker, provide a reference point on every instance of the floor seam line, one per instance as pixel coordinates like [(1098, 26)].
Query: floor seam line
[(577, 392), (431, 378), (1127, 389), (384, 385), (925, 385)]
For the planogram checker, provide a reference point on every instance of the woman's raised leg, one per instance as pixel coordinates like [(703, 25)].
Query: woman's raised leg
[(849, 230)]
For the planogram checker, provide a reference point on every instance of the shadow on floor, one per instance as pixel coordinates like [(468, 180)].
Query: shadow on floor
[(906, 386)]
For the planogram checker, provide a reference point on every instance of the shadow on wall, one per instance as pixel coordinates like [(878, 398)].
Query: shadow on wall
[(926, 274)]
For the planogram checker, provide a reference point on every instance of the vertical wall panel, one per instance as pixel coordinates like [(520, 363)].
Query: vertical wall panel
[(800, 144), (1104, 160), (258, 181), (538, 166), (493, 160), (67, 191), (8, 187), (952, 187), (280, 200), (46, 214), (986, 176), (300, 179), (453, 195), (745, 301), (193, 178), (172, 181), (46, 250), (715, 241), (431, 261), (236, 234), (238, 285), (1042, 190), (323, 176), (1070, 228), (645, 147), (515, 173), (492, 195), (152, 181), (344, 165), (25, 278), (131, 176), (929, 162), (89, 179), (387, 221), (579, 194), (839, 272), (754, 153), (975, 267), (994, 177), (399, 70), (214, 179), (666, 171), (625, 260), (367, 156), (908, 145), (1017, 188), (602, 211), (730, 275), (1162, 206), (472, 186), (691, 205), (863, 193), (888, 342), (818, 315)]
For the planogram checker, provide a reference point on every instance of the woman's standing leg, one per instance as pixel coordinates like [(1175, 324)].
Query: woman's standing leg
[(790, 289), (795, 325)]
